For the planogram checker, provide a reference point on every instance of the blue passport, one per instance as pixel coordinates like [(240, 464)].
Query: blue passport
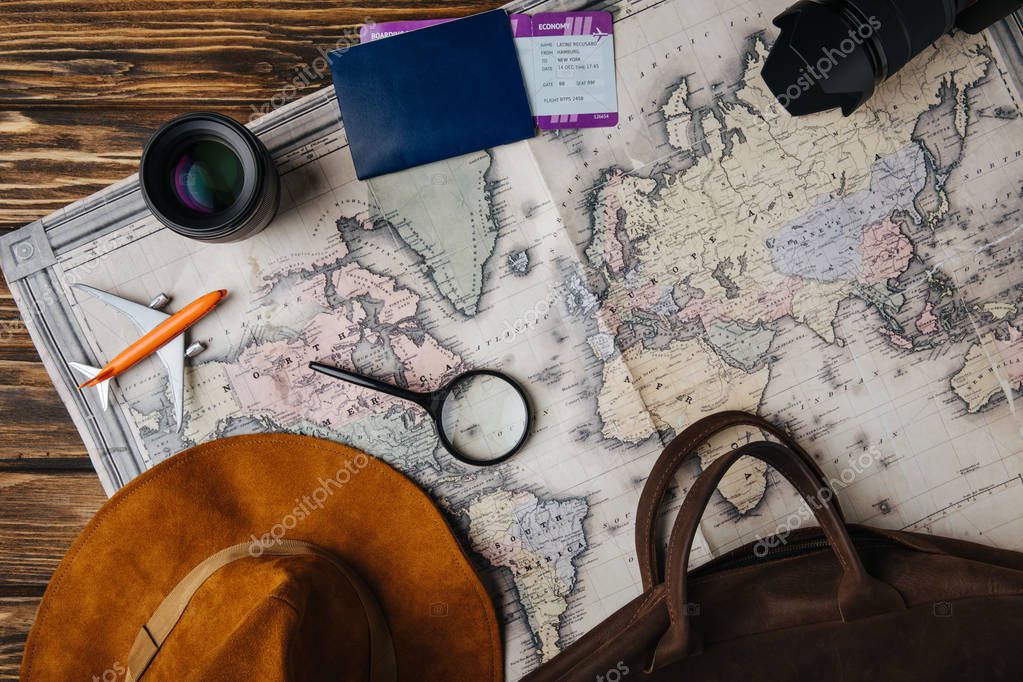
[(431, 94)]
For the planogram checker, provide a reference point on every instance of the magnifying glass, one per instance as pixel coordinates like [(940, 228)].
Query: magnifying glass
[(482, 417)]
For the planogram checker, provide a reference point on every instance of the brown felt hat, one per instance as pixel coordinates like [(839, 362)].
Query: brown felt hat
[(270, 557)]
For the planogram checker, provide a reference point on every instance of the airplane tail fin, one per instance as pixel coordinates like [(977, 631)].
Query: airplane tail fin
[(103, 387)]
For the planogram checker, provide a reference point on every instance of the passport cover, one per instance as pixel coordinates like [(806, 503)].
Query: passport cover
[(431, 94)]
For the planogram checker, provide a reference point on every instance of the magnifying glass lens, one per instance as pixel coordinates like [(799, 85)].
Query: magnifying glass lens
[(484, 417)]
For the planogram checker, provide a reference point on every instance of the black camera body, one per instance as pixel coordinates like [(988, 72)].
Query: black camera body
[(834, 53)]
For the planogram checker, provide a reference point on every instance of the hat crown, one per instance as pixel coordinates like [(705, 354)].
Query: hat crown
[(288, 612)]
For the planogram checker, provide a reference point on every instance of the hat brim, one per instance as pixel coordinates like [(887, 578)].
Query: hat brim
[(257, 489)]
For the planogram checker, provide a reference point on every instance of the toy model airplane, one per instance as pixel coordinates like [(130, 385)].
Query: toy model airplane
[(162, 334)]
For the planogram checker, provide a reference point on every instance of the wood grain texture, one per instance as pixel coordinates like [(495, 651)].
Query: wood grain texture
[(40, 515), (16, 615), (82, 86)]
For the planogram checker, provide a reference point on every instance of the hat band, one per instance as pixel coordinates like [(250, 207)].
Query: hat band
[(383, 665)]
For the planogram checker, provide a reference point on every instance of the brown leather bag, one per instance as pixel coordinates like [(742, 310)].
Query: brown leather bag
[(894, 606)]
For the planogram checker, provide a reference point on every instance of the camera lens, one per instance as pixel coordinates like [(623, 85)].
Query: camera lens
[(833, 53), (207, 177)]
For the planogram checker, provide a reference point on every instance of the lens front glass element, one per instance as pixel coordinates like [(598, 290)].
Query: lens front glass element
[(484, 417), (207, 176)]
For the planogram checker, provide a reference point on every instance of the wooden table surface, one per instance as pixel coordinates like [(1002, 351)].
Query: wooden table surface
[(82, 85)]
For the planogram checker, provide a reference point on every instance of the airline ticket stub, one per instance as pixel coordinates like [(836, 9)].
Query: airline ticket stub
[(567, 61)]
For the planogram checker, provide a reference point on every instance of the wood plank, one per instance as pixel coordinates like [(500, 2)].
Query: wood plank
[(16, 617), (41, 427), (82, 86), (145, 52), (40, 516)]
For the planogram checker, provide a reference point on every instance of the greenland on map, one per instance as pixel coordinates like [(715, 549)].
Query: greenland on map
[(856, 280)]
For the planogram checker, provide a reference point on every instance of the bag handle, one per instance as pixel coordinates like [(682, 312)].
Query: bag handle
[(383, 666), (680, 450), (859, 594)]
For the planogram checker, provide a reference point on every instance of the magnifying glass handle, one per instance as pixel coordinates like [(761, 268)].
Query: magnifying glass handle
[(369, 382)]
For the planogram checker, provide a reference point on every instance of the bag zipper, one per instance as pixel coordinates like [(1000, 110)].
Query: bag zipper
[(788, 551)]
